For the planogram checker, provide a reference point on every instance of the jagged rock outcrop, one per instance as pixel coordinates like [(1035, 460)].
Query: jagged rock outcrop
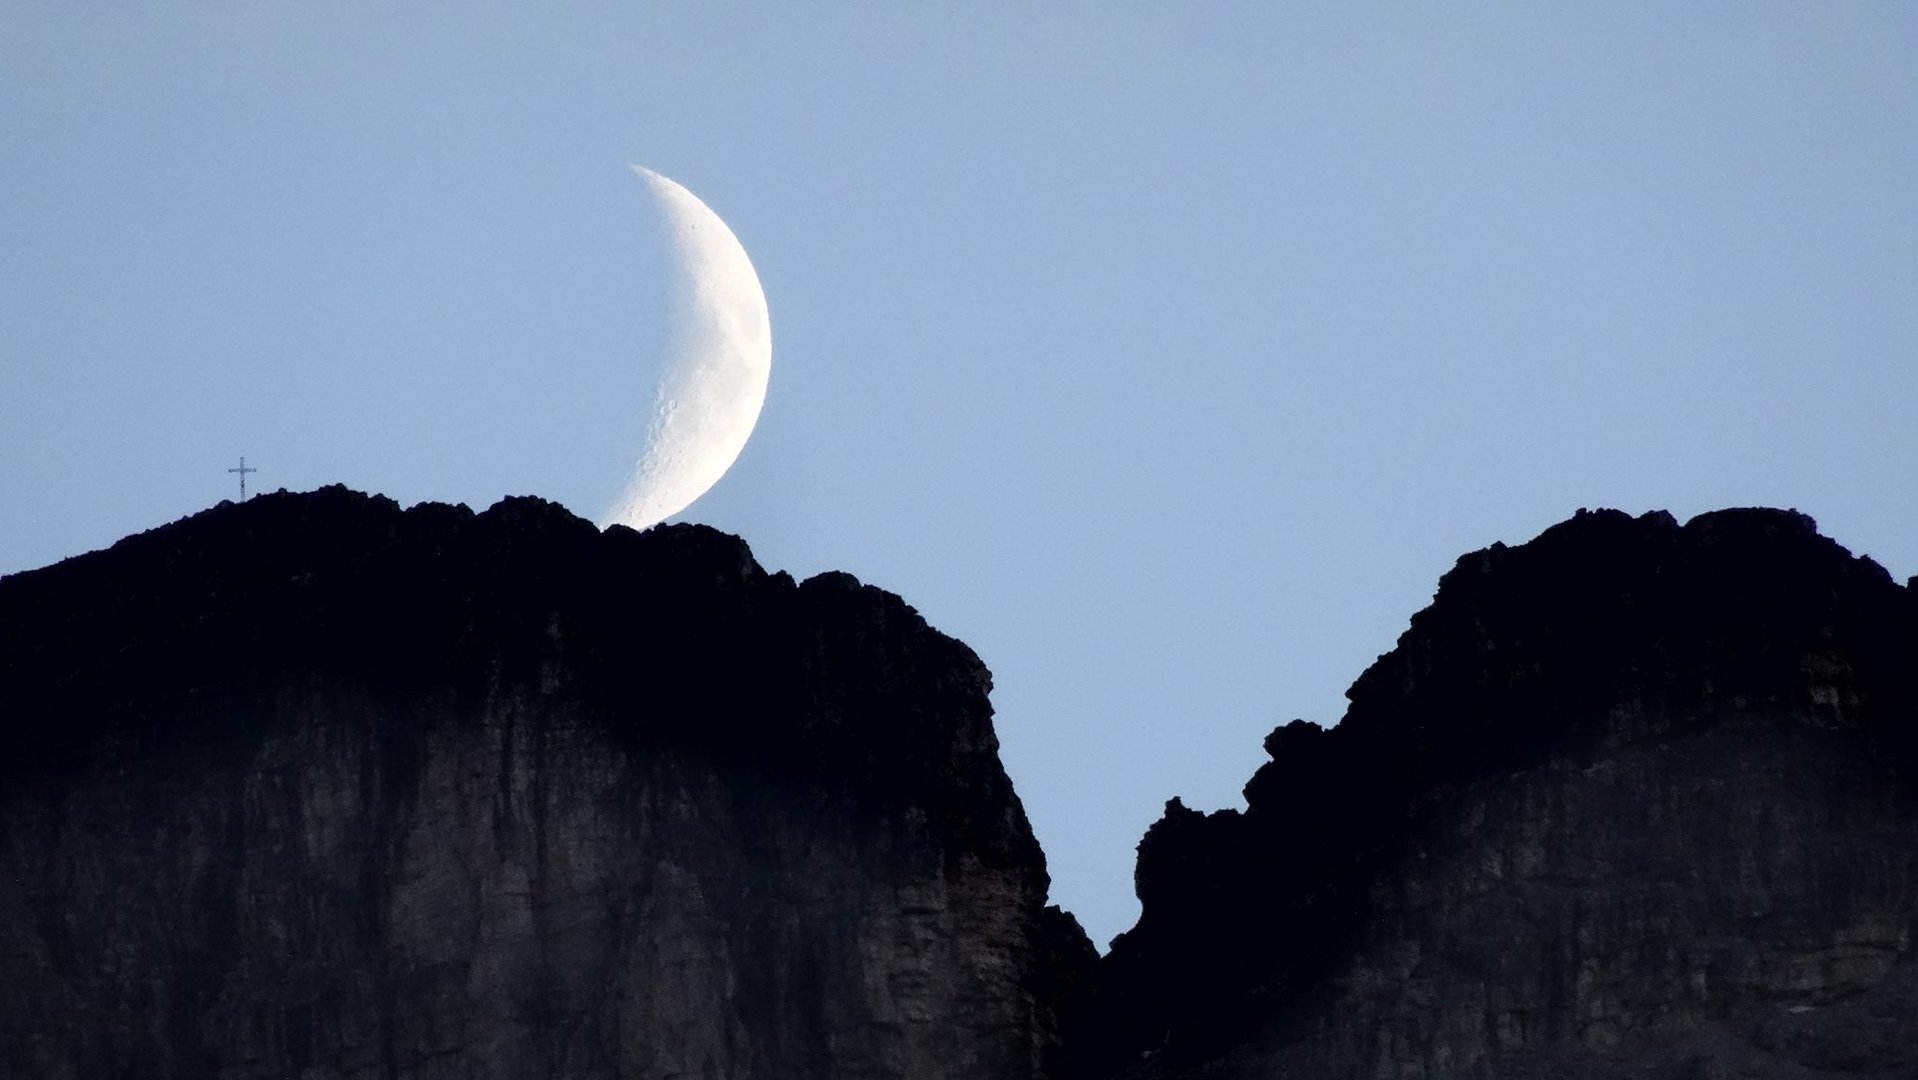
[(313, 787), (1634, 798)]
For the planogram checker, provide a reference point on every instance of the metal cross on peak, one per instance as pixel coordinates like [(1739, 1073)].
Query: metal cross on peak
[(242, 470)]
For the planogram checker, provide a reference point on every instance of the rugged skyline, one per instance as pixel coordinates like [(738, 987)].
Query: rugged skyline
[(1166, 357), (319, 786)]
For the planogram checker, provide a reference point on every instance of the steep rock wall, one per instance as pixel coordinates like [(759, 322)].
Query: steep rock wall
[(313, 787), (1632, 796)]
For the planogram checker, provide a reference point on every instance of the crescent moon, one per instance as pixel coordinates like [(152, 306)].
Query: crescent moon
[(721, 358)]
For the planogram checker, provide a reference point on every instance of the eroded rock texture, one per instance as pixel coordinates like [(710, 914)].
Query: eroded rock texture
[(313, 787), (1631, 799)]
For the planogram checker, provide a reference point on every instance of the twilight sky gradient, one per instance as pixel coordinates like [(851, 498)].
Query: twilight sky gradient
[(1167, 354)]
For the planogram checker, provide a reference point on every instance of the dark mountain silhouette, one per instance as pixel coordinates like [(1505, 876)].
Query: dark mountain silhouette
[(315, 787), (1632, 796)]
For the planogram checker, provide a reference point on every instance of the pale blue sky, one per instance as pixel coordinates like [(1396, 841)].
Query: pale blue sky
[(1166, 355)]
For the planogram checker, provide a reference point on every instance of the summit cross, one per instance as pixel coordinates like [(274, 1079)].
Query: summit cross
[(242, 470)]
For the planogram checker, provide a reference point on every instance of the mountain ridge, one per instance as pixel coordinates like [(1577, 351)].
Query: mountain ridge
[(316, 786), (1579, 655)]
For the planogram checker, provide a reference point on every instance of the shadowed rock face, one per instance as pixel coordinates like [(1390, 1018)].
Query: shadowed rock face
[(1630, 798), (313, 787)]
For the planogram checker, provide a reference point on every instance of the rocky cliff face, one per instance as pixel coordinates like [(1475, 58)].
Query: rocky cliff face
[(1631, 799), (313, 787)]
